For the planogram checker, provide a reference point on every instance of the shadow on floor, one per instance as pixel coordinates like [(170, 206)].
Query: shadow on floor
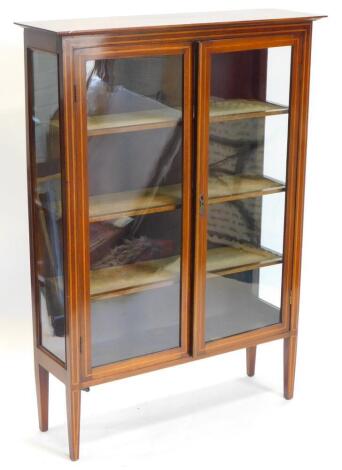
[(149, 413)]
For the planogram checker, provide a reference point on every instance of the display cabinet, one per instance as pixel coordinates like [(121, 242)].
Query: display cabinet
[(166, 160)]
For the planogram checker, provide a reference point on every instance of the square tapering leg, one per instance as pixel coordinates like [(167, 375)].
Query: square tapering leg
[(73, 399), (42, 390), (250, 360), (290, 354)]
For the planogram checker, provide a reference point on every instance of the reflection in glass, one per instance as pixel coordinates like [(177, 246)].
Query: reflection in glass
[(48, 208), (135, 201), (248, 121), (133, 325), (243, 302)]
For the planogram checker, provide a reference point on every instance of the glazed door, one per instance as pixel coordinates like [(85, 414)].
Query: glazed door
[(136, 120), (245, 183)]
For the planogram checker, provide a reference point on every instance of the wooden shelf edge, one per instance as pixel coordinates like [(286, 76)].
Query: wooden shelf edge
[(138, 125), (242, 116), (276, 187), (134, 213), (173, 123), (168, 199), (246, 195), (245, 267), (132, 290), (132, 128)]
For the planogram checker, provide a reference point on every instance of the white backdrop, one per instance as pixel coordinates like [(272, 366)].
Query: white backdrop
[(203, 414)]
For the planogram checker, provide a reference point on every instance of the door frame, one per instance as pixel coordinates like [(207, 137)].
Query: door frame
[(206, 48), (153, 360)]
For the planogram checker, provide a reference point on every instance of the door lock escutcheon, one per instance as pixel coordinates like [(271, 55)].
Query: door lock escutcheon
[(201, 205)]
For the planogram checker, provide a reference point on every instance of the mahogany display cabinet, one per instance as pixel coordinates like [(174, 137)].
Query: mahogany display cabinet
[(166, 161)]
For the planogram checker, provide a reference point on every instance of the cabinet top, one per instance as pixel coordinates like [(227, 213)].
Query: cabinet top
[(102, 25)]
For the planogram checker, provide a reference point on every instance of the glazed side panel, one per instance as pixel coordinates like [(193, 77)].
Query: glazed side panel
[(46, 44)]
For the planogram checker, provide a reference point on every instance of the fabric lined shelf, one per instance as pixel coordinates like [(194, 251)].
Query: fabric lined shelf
[(134, 121), (127, 279), (133, 203), (168, 198), (112, 206), (220, 110)]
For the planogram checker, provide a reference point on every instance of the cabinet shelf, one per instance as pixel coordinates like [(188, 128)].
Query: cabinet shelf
[(235, 109), (220, 110), (168, 198), (133, 121), (133, 203), (226, 188), (127, 279)]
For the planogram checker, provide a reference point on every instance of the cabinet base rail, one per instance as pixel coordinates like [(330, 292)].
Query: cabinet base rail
[(44, 365)]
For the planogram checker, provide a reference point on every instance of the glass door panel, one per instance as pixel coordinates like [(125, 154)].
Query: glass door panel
[(247, 160), (244, 251), (135, 174), (48, 205)]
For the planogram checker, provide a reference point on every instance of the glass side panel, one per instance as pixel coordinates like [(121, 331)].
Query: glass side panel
[(247, 161), (135, 161), (47, 200)]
